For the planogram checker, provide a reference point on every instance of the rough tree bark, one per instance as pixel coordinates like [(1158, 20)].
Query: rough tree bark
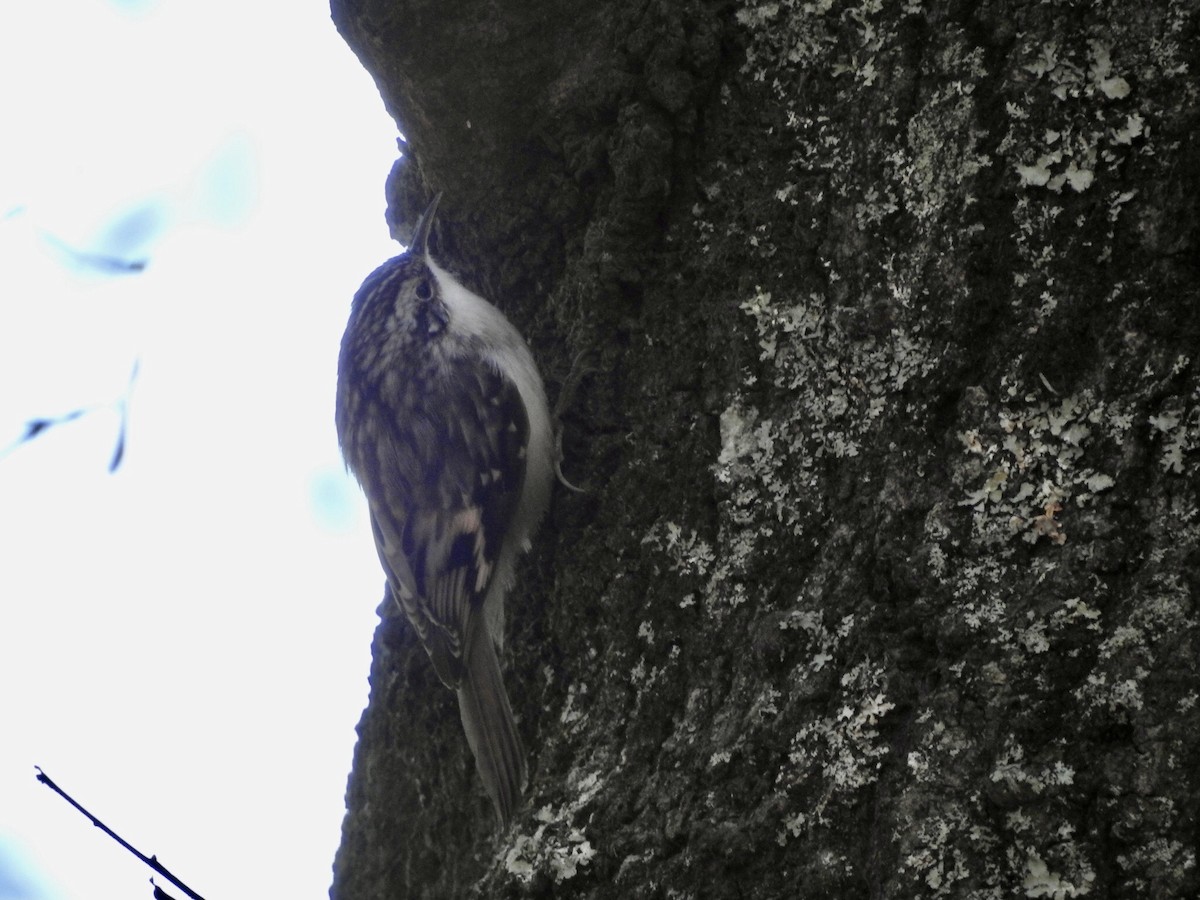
[(886, 580)]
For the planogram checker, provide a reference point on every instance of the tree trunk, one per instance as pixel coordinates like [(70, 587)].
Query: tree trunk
[(876, 329)]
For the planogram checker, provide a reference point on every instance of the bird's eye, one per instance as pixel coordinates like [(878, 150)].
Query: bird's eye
[(424, 290)]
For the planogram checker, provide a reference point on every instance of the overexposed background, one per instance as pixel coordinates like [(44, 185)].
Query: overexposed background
[(184, 643)]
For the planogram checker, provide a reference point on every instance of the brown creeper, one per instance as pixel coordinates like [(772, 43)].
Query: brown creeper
[(442, 418)]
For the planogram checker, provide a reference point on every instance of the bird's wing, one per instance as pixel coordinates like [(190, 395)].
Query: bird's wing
[(449, 479)]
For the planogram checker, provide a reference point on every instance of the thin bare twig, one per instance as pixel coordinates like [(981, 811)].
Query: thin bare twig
[(151, 861)]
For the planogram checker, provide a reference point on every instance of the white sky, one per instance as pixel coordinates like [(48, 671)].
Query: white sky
[(184, 645)]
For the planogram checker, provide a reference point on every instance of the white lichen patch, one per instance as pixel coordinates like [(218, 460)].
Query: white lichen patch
[(1033, 466), (718, 758), (573, 714), (1013, 768), (839, 388), (931, 169), (1178, 428), (688, 554), (949, 845), (692, 557), (1160, 854), (1041, 882), (556, 847), (821, 643), (1077, 93), (1127, 656), (840, 753), (938, 856)]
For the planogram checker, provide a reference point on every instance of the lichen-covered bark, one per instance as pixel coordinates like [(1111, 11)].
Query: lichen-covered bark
[(887, 316)]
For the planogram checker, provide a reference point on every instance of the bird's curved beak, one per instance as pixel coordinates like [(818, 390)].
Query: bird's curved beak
[(420, 236)]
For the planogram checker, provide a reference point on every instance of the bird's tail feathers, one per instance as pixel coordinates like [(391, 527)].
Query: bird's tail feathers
[(491, 732)]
